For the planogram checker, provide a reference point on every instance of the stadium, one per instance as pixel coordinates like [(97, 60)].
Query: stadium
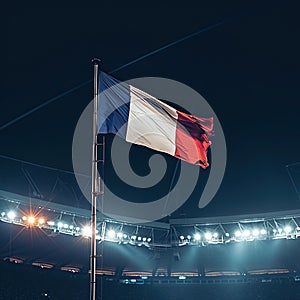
[(166, 169)]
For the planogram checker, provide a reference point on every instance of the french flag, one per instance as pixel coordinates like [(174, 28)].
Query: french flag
[(142, 119)]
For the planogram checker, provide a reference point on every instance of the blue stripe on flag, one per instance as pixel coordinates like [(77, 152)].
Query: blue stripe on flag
[(114, 101)]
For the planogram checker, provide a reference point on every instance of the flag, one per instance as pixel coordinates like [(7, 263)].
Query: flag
[(142, 119)]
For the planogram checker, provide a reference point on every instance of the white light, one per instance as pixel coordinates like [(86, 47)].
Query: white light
[(144, 239), (189, 237), (3, 214), (149, 240), (263, 231), (182, 277), (24, 218), (181, 237), (71, 227), (215, 235), (279, 230), (238, 233), (255, 232), (133, 280), (197, 236), (11, 215), (208, 236), (41, 221), (274, 230), (288, 229), (77, 228), (66, 226), (60, 225), (111, 233), (144, 277), (246, 233), (51, 223), (139, 238), (133, 237), (119, 235), (87, 231), (227, 234), (125, 236)]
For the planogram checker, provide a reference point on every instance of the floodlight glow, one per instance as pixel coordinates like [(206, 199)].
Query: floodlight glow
[(24, 218), (246, 233), (119, 235), (59, 224), (237, 233), (182, 277), (208, 236), (125, 236), (71, 227), (255, 232), (274, 230), (144, 277), (197, 236), (144, 239), (288, 229), (31, 219), (263, 231), (11, 215), (87, 231), (133, 237), (3, 214), (227, 234), (189, 237), (111, 233), (77, 228), (215, 235), (279, 230), (139, 238), (149, 240), (66, 226), (181, 237), (133, 280), (51, 223), (41, 221)]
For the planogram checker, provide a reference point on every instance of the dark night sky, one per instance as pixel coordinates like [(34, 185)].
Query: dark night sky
[(247, 69)]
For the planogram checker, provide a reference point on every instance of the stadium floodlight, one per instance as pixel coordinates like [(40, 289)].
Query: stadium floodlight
[(60, 225), (41, 221), (215, 235), (227, 234), (149, 240), (279, 230), (274, 230), (246, 233), (188, 237), (182, 277), (263, 231), (197, 236), (11, 215), (31, 220), (66, 226), (208, 236), (71, 227), (144, 239), (139, 238), (119, 235), (133, 237), (181, 237), (111, 234), (24, 218), (125, 236), (77, 228), (255, 232), (3, 214), (288, 229), (237, 233)]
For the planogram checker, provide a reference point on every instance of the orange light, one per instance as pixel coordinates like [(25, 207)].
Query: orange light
[(31, 220), (41, 221)]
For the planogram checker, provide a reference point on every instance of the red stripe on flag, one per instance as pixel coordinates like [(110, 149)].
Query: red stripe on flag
[(192, 142)]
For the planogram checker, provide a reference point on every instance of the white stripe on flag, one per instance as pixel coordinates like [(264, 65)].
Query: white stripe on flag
[(151, 123)]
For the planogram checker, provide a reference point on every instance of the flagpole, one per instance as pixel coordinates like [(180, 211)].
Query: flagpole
[(93, 255)]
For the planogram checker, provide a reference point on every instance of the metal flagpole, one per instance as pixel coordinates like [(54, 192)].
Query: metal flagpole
[(93, 255)]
